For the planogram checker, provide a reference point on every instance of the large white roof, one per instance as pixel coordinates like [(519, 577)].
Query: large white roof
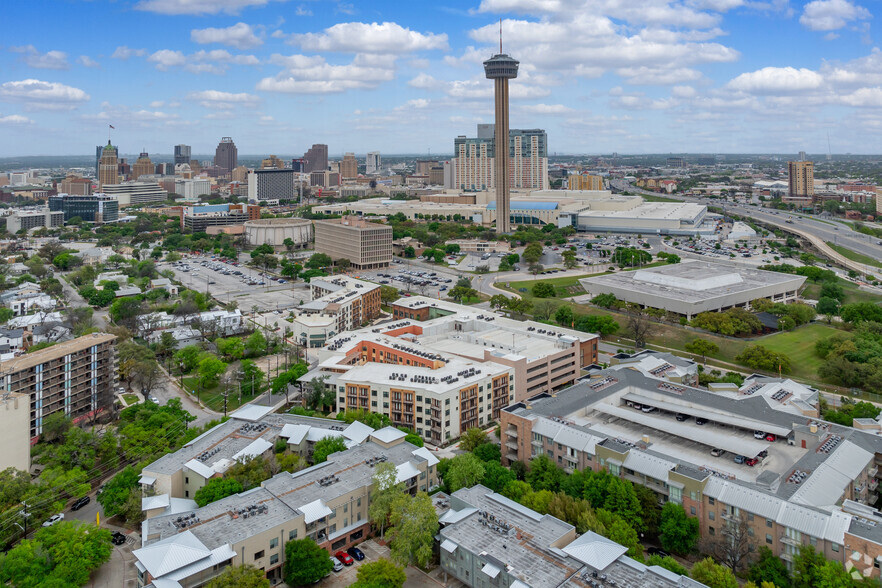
[(200, 468), (388, 434), (251, 412), (357, 432), (294, 433), (314, 511), (253, 449), (406, 471), (171, 554), (428, 455), (595, 550)]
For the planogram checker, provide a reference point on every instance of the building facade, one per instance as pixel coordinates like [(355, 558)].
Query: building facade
[(182, 154), (349, 166), (76, 186), (226, 155), (271, 184), (373, 163), (316, 158), (584, 182), (136, 193), (801, 176), (34, 219), (365, 244), (143, 166), (95, 208), (192, 189), (108, 166)]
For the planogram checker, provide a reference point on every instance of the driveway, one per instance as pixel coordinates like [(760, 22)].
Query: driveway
[(373, 551), (120, 571)]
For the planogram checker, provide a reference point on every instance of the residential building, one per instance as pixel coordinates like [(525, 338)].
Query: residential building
[(213, 322), (756, 456), (584, 182), (338, 304), (801, 176), (108, 166), (373, 163), (327, 503), (527, 164), (32, 219), (316, 158), (365, 244), (95, 208), (488, 540), (436, 175), (298, 164), (136, 193), (76, 186), (226, 155), (143, 166), (76, 378), (15, 438), (26, 297), (693, 287), (192, 189), (182, 154), (349, 167), (275, 184)]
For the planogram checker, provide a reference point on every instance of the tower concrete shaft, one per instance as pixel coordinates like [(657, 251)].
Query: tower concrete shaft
[(501, 68)]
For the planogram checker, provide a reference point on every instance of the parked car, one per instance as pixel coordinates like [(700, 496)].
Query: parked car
[(345, 558), (337, 565), (771, 438), (716, 452), (80, 503), (682, 417), (117, 538), (54, 519), (739, 459), (751, 461), (700, 421), (356, 553), (648, 408), (759, 434)]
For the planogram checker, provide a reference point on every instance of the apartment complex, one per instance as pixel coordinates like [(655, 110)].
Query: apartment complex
[(32, 219), (801, 176), (475, 159), (367, 245), (271, 184), (136, 193), (584, 182), (488, 540), (93, 208), (756, 457), (338, 304), (75, 377), (327, 502)]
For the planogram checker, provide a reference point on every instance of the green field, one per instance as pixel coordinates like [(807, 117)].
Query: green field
[(564, 287), (799, 346), (649, 198), (853, 292), (130, 399), (854, 255)]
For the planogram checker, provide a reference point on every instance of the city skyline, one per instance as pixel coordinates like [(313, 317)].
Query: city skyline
[(726, 76)]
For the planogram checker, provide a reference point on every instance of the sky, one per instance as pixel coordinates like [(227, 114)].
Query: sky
[(600, 76)]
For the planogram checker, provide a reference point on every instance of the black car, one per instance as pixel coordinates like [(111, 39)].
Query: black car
[(80, 503), (356, 553), (117, 538), (700, 421), (682, 417), (657, 551)]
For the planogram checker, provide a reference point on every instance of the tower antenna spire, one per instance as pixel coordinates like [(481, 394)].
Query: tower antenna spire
[(500, 36)]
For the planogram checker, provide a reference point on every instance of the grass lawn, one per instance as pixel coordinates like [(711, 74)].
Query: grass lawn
[(130, 398), (854, 255), (649, 198), (213, 397), (853, 292), (799, 346), (563, 287)]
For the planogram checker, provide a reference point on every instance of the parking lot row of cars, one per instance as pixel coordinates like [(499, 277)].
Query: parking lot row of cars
[(417, 278)]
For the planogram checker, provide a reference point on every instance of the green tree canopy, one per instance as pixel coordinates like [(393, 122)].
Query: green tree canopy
[(414, 524), (713, 575), (465, 470), (472, 438), (215, 489), (325, 447), (760, 358), (381, 573), (678, 532), (243, 576), (305, 562)]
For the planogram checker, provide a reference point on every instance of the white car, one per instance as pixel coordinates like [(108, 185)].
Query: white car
[(337, 565), (54, 519)]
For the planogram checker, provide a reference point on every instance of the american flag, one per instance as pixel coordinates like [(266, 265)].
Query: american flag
[(112, 127)]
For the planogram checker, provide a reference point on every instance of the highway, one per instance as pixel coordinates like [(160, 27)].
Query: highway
[(836, 232)]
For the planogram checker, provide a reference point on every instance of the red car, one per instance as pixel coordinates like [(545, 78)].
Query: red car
[(752, 461), (770, 438), (344, 557)]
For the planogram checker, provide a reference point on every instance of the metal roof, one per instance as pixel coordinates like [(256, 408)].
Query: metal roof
[(649, 465), (406, 471), (251, 412), (253, 449), (448, 546), (430, 458), (454, 516), (490, 570), (171, 554), (388, 434), (685, 406), (314, 511), (200, 468), (595, 550), (358, 431), (294, 433)]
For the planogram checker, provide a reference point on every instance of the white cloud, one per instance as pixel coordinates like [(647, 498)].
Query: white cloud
[(197, 6), (425, 81), (302, 10), (240, 36), (654, 76), (345, 8), (546, 109), (15, 119), (415, 104), (215, 61), (360, 37), (831, 15), (87, 61), (777, 80), (123, 52), (157, 104), (683, 91), (140, 117), (313, 75), (48, 60), (223, 100), (40, 95)]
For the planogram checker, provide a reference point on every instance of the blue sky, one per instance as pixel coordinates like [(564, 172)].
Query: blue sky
[(648, 76)]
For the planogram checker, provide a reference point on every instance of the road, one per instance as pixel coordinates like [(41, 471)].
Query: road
[(167, 389), (832, 231), (100, 317)]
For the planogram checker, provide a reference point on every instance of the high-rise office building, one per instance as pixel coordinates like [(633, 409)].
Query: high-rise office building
[(135, 193), (802, 179), (802, 156), (316, 158), (99, 151), (365, 244), (95, 208), (76, 185), (372, 163), (108, 166), (272, 162), (271, 184), (226, 155), (298, 164), (143, 166), (182, 154), (500, 68), (349, 166)]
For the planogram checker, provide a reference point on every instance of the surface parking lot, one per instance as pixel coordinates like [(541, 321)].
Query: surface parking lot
[(781, 456), (414, 279), (245, 288)]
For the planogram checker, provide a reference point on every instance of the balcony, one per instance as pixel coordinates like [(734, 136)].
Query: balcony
[(512, 433), (790, 541), (511, 445), (874, 483), (511, 456), (536, 442), (873, 471), (787, 557)]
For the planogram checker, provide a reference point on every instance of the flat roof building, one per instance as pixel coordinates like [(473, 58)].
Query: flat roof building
[(93, 208), (692, 287), (136, 193), (271, 184), (32, 219), (365, 244), (338, 304)]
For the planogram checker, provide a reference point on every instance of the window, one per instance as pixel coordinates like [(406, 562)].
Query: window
[(419, 398), (359, 503), (692, 510), (386, 394), (675, 495), (768, 539), (711, 531), (274, 559), (292, 535), (614, 469), (769, 523), (710, 500), (711, 515), (835, 547), (750, 531), (374, 403), (186, 480), (274, 542), (447, 402), (750, 517), (258, 555), (346, 508), (385, 405)]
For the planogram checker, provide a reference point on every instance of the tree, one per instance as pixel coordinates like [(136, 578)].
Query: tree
[(472, 438), (731, 546), (702, 347), (380, 573), (305, 562), (388, 294), (460, 293), (215, 489), (414, 524), (569, 259), (678, 532), (713, 575), (564, 315), (384, 489), (499, 301), (496, 477), (465, 471), (243, 576), (319, 261), (768, 568), (231, 349), (210, 369), (252, 377), (116, 491), (543, 290), (638, 326), (255, 344), (601, 324), (320, 394), (188, 357), (760, 358), (533, 253), (668, 563), (327, 446), (605, 301), (828, 306), (672, 258), (542, 309), (488, 452), (544, 475)]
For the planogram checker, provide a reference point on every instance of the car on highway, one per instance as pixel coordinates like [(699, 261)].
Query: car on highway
[(356, 553), (54, 519), (80, 503), (700, 421), (345, 558)]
